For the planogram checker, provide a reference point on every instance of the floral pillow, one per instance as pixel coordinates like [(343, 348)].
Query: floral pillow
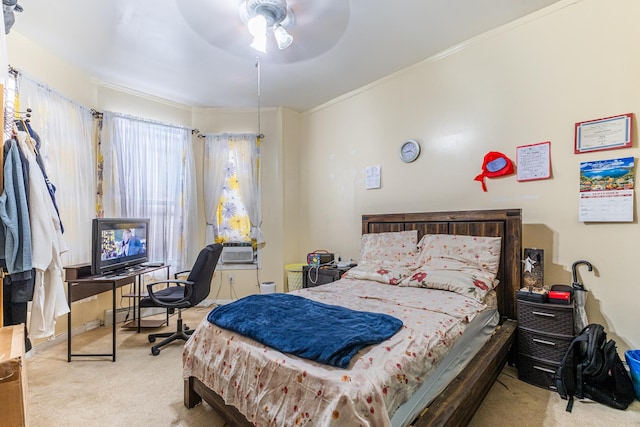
[(461, 282), (391, 276), (391, 250), (446, 251)]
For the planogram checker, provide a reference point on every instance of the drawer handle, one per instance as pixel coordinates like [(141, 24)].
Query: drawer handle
[(547, 370), (543, 341), (539, 313)]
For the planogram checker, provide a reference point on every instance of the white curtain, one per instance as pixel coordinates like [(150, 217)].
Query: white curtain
[(65, 130), (149, 173), (216, 157), (246, 152)]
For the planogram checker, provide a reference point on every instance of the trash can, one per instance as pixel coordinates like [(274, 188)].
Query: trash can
[(294, 276), (267, 288), (633, 361)]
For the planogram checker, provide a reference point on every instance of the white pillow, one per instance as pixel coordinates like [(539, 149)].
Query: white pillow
[(461, 282), (448, 251), (393, 249), (389, 276)]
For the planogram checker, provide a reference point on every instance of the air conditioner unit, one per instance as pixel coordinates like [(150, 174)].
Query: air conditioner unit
[(237, 255)]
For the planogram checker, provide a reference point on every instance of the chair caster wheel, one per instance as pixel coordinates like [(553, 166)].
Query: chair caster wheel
[(155, 351), (152, 339), (186, 328)]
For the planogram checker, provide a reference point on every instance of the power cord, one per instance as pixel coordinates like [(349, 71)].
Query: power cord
[(313, 268), (316, 268)]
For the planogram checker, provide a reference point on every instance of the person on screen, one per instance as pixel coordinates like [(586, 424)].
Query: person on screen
[(131, 244)]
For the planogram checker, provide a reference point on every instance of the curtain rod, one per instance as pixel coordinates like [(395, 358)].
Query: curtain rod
[(98, 114), (202, 135)]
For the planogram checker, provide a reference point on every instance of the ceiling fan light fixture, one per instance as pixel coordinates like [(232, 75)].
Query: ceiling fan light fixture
[(283, 38), (272, 14), (259, 44), (257, 26), (258, 29)]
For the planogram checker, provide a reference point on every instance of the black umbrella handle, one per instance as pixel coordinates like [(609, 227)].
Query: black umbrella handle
[(576, 284)]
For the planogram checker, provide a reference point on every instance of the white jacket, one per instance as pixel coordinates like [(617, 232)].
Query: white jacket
[(47, 244)]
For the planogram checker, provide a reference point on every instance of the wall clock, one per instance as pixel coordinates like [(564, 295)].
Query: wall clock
[(409, 150)]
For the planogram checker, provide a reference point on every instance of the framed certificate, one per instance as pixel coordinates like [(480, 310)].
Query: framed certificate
[(603, 134), (533, 161)]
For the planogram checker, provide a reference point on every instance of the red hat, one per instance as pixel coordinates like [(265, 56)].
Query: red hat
[(494, 164)]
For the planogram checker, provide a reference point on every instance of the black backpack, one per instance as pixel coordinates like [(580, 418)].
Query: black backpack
[(592, 369)]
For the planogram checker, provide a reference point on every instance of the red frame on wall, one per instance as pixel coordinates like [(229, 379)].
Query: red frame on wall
[(625, 142)]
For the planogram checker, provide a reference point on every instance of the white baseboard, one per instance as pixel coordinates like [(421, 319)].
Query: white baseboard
[(207, 303), (58, 339), (124, 314), (212, 302)]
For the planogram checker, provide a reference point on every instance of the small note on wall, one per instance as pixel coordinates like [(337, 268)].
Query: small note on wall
[(533, 268), (373, 177), (533, 161)]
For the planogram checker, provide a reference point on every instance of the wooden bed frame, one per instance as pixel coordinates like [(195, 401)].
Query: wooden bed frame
[(456, 405)]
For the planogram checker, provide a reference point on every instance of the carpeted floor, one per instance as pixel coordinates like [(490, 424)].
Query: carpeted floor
[(144, 390)]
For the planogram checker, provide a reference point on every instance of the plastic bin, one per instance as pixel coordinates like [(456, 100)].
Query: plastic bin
[(294, 276), (267, 288), (633, 361)]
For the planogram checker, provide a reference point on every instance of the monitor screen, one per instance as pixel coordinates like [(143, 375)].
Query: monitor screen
[(118, 244)]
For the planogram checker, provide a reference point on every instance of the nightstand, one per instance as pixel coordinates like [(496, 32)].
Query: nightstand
[(545, 331), (312, 276)]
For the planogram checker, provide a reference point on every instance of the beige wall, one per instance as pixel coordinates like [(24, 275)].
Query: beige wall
[(527, 82), (524, 83)]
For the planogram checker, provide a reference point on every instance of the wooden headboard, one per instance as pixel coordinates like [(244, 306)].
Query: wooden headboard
[(506, 223)]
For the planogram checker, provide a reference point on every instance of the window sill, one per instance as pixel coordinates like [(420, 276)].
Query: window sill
[(238, 266)]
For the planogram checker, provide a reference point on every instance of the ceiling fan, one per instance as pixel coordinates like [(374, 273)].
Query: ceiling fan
[(314, 25)]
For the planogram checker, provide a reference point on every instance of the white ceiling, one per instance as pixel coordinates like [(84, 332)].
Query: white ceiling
[(193, 51)]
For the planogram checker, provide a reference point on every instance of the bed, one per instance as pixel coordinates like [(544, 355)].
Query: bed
[(454, 403)]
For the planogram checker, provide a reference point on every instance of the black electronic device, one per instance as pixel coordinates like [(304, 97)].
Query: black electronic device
[(533, 294), (118, 244)]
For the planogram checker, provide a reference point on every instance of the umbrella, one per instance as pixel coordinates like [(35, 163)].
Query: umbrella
[(580, 296)]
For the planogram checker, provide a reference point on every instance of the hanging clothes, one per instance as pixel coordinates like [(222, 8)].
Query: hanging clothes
[(15, 235), (47, 245), (25, 126), (15, 238)]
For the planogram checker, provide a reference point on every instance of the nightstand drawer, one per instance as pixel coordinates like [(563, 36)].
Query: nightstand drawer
[(313, 276), (557, 319), (544, 346), (537, 372)]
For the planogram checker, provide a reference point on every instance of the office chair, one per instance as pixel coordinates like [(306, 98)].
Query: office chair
[(183, 294)]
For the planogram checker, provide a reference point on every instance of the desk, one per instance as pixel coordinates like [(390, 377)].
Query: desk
[(80, 285)]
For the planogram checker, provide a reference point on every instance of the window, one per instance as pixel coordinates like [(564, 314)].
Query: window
[(149, 172), (232, 220), (232, 196)]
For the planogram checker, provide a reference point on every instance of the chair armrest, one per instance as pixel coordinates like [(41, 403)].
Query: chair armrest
[(177, 273), (188, 290)]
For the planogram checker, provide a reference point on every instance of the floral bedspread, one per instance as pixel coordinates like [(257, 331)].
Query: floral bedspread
[(272, 388)]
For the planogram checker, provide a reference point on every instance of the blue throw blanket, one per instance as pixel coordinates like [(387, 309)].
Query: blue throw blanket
[(325, 333)]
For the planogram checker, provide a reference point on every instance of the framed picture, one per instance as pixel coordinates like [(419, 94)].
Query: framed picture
[(533, 161), (603, 134), (533, 271)]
